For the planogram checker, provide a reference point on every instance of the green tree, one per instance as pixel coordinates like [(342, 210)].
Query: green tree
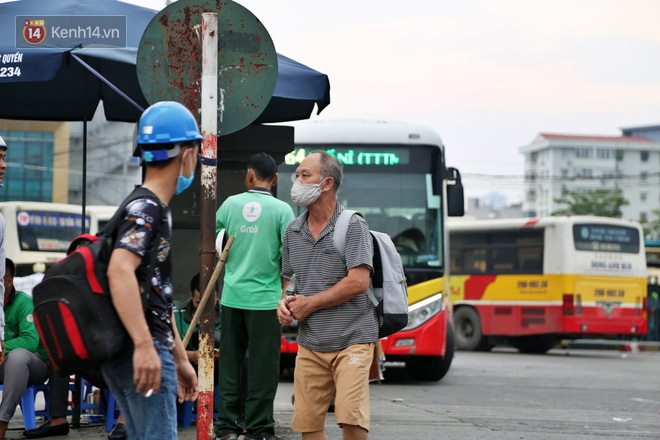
[(600, 202), (652, 226)]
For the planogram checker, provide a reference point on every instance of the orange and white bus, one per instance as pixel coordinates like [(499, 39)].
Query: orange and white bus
[(533, 281)]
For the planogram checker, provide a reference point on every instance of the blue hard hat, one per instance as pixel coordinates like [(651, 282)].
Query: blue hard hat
[(166, 122)]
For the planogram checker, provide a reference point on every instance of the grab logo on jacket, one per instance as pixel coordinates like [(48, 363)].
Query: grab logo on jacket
[(251, 211)]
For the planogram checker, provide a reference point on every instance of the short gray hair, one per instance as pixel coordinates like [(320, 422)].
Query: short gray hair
[(331, 167)]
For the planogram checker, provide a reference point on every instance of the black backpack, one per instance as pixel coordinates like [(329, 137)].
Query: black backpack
[(73, 309)]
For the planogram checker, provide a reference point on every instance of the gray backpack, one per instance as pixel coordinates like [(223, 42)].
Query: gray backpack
[(390, 294)]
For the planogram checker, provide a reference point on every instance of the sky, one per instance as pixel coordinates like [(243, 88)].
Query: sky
[(487, 75)]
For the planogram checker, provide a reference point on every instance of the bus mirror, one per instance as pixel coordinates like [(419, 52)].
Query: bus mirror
[(455, 198)]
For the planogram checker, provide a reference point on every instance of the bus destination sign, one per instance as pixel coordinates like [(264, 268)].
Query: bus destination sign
[(45, 219), (357, 156), (605, 238)]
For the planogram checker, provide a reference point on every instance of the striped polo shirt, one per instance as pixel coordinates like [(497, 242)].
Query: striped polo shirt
[(318, 266)]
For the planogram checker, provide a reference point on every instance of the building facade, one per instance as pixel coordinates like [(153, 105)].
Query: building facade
[(556, 164), (482, 209), (112, 171), (645, 131), (37, 161), (45, 161)]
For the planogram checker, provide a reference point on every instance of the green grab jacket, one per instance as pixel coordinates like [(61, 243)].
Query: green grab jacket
[(20, 330)]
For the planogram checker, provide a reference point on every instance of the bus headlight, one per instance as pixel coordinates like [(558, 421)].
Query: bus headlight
[(424, 310)]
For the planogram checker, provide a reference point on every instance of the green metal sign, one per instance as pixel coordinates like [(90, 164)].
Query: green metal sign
[(169, 61)]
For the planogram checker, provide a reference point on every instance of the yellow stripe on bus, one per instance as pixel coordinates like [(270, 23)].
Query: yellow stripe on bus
[(425, 290), (545, 288)]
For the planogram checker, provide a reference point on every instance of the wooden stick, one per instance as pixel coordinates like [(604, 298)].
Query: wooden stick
[(209, 288)]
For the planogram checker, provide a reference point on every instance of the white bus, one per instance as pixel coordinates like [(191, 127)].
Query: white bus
[(533, 281), (38, 232)]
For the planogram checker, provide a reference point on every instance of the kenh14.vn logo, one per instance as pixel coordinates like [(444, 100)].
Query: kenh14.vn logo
[(34, 31)]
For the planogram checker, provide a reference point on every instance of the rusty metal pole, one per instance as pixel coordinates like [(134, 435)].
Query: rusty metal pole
[(207, 219)]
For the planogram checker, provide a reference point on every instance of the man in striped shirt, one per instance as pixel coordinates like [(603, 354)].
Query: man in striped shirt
[(338, 326)]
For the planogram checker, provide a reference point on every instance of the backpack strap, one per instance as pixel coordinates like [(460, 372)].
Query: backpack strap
[(339, 240), (341, 230)]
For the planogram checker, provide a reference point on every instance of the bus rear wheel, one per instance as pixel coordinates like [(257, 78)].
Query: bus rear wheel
[(468, 330), (432, 368)]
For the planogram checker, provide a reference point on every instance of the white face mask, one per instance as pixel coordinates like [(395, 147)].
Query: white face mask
[(304, 194)]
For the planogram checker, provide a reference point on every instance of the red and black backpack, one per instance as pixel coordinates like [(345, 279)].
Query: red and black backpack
[(73, 309)]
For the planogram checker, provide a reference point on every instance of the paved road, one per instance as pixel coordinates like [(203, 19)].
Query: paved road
[(566, 394)]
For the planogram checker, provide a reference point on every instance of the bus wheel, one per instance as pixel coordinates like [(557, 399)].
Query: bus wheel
[(534, 344), (468, 330), (432, 368)]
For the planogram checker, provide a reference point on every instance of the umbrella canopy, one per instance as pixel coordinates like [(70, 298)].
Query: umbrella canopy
[(52, 84), (297, 89)]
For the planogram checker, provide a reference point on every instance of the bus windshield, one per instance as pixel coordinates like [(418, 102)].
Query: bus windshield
[(48, 231), (396, 198)]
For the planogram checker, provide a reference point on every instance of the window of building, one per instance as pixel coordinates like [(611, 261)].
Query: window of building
[(564, 172), (642, 217), (644, 156), (583, 153), (603, 153), (566, 153), (643, 175), (585, 172), (619, 155), (30, 162), (643, 196)]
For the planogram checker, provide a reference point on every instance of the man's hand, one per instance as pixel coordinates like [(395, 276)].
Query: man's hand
[(283, 313), (300, 307), (187, 384), (193, 356), (2, 355), (146, 369)]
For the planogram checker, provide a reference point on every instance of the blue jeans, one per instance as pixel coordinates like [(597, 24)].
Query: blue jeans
[(146, 417)]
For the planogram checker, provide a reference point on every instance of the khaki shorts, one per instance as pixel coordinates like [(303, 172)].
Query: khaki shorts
[(316, 376)]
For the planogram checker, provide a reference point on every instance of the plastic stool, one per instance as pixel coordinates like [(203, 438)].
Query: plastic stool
[(27, 404), (112, 414)]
